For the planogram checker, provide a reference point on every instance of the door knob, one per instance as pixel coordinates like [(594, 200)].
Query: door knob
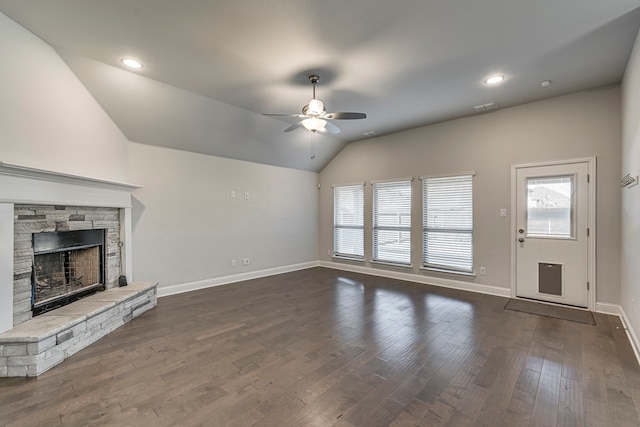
[(521, 240), (521, 231)]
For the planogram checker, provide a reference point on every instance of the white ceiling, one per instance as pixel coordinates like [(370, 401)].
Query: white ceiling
[(212, 67)]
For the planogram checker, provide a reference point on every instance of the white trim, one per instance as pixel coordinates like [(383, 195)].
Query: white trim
[(7, 212), (617, 310), (382, 181), (607, 308), (179, 288), (392, 264), (45, 175), (443, 270), (631, 333), (22, 185), (426, 280), (447, 175), (361, 183), (591, 223)]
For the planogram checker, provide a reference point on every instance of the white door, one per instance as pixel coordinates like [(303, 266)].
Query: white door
[(551, 249)]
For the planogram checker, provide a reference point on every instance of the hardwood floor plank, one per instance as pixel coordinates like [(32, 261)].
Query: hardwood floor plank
[(570, 404), (545, 410), (321, 347)]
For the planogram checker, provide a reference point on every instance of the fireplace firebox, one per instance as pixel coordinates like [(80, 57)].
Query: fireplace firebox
[(68, 265)]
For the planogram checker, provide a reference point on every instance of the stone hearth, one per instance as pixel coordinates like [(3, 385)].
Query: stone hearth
[(38, 344)]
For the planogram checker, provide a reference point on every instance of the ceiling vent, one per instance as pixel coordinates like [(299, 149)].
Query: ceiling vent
[(486, 107)]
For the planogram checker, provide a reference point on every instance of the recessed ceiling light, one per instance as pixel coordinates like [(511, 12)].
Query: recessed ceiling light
[(494, 80), (132, 63)]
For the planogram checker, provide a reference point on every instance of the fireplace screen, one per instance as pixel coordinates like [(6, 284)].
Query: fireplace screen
[(67, 265)]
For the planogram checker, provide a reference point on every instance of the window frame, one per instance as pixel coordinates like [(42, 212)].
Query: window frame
[(339, 226), (375, 256), (466, 178)]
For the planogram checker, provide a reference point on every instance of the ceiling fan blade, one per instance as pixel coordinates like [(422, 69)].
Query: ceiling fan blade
[(330, 128), (344, 116), (293, 127), (283, 115)]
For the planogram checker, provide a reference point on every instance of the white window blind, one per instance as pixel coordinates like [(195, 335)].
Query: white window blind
[(348, 221), (447, 222), (392, 222)]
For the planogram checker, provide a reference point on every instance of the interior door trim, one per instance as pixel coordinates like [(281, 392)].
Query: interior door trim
[(591, 221)]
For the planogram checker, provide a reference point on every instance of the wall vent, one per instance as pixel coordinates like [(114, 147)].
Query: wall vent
[(486, 107)]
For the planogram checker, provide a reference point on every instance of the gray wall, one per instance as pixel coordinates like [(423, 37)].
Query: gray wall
[(630, 266), (574, 126), (187, 228)]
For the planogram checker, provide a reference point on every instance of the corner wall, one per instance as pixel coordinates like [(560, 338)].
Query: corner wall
[(579, 125), (630, 216)]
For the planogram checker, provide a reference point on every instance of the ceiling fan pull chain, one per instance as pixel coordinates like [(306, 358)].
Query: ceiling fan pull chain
[(313, 145)]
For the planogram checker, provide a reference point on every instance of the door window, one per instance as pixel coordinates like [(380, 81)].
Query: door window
[(550, 207)]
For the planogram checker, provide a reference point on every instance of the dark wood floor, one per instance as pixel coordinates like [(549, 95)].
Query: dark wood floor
[(322, 347)]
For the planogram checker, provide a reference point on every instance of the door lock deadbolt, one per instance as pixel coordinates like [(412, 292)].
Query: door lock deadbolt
[(521, 231)]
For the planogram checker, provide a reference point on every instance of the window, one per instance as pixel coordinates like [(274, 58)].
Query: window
[(447, 223), (550, 205), (392, 222), (348, 221)]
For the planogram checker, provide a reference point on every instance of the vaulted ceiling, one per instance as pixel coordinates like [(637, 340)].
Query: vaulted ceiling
[(212, 67)]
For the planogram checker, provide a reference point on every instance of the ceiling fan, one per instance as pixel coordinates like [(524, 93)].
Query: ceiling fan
[(316, 118)]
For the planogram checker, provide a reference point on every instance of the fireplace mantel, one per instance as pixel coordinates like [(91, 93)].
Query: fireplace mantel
[(20, 184), (24, 185)]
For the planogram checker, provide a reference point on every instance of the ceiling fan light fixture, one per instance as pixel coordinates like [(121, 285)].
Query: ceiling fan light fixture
[(316, 107), (314, 124)]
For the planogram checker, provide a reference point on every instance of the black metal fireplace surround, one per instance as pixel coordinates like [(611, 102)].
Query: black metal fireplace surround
[(68, 265)]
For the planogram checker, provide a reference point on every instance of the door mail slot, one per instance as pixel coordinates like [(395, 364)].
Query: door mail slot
[(550, 278)]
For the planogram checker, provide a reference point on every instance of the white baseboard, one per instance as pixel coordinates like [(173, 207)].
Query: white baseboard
[(164, 291), (631, 333), (617, 310), (606, 308), (427, 280)]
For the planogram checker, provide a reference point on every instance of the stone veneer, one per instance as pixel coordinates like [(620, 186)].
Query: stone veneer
[(29, 219), (37, 345)]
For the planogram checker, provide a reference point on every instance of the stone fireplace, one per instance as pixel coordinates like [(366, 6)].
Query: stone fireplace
[(34, 206), (63, 237), (63, 253)]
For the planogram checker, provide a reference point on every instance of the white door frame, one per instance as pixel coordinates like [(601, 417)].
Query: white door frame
[(591, 224)]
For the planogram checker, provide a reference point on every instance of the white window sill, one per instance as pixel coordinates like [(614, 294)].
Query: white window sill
[(391, 264), (346, 258), (445, 271)]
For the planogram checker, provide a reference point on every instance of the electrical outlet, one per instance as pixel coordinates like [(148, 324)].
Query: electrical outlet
[(483, 271), (233, 263), (328, 252), (233, 194), (245, 261)]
